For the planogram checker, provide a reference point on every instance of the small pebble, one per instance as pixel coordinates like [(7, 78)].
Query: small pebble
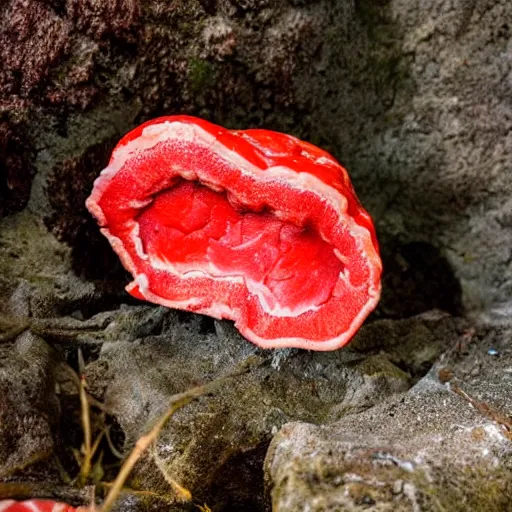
[(445, 375), (398, 486), (475, 371)]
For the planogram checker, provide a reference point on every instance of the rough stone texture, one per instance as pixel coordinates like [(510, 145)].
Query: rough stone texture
[(440, 446), (414, 98), (441, 147), (35, 275), (216, 446), (28, 405), (16, 167), (136, 357)]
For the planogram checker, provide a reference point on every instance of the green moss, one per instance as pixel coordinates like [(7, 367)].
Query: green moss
[(472, 489), (380, 366), (438, 489), (201, 74)]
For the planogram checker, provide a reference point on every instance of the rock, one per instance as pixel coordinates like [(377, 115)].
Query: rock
[(29, 409), (17, 167), (380, 85), (215, 447), (437, 446)]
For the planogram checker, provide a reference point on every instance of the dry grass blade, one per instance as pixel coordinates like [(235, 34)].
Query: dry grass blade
[(204, 508), (487, 410), (85, 467), (111, 446), (78, 384), (177, 402), (181, 492)]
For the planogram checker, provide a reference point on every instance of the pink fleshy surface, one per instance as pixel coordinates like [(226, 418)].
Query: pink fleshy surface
[(255, 226), (36, 506)]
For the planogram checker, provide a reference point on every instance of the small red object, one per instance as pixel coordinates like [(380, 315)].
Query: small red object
[(255, 226), (35, 506)]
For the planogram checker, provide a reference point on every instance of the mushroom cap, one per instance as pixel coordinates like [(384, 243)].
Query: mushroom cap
[(35, 506), (251, 225)]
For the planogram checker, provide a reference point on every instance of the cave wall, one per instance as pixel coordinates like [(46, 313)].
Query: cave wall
[(412, 97)]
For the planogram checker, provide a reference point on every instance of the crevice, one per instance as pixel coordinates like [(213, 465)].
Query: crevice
[(417, 278)]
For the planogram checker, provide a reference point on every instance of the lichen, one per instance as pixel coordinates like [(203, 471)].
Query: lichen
[(201, 74)]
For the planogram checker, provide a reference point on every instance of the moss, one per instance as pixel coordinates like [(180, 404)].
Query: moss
[(323, 480), (380, 366), (201, 74), (470, 489)]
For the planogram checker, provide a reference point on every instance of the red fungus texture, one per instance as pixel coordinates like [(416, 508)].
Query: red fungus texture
[(35, 506), (255, 226)]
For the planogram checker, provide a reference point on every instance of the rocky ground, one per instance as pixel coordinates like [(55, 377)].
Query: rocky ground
[(413, 415), (414, 98)]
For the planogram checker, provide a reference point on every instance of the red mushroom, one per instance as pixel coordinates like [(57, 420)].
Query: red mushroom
[(255, 226), (36, 506)]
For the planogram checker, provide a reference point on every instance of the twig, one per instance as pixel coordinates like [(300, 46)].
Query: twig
[(182, 492), (446, 376), (113, 449), (78, 384), (85, 467), (177, 402), (494, 415)]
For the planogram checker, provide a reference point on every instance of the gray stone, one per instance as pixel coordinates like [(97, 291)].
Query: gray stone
[(29, 409), (440, 446), (223, 437)]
